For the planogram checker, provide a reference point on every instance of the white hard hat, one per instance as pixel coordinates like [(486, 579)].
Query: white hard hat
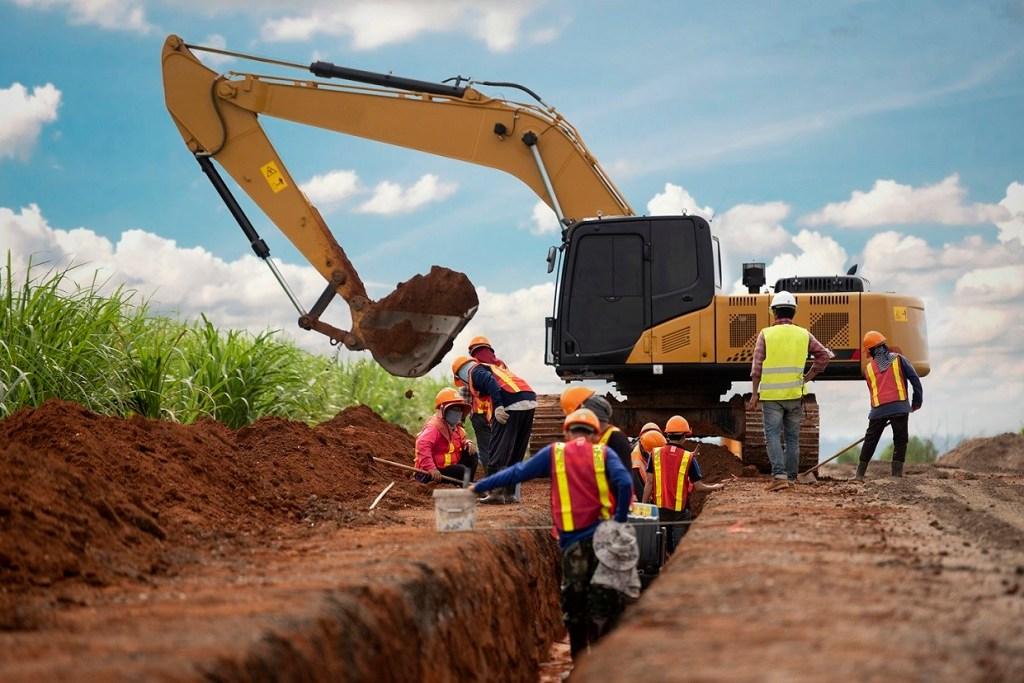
[(783, 299)]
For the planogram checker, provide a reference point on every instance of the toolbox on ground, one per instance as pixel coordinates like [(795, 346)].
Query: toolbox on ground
[(651, 540)]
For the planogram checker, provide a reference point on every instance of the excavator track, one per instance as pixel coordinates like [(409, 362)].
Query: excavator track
[(547, 422), (755, 451)]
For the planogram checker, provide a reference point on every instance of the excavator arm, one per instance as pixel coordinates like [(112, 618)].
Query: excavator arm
[(411, 329)]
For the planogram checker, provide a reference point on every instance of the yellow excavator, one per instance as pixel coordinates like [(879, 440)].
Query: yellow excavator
[(638, 300)]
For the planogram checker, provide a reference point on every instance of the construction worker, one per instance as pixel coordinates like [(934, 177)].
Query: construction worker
[(514, 403), (777, 374), (482, 414), (887, 375), (442, 447), (673, 473), (649, 439), (588, 485), (579, 396)]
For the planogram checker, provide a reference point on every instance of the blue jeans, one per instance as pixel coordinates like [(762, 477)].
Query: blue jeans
[(779, 415)]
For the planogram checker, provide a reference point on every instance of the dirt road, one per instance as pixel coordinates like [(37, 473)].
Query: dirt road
[(913, 579)]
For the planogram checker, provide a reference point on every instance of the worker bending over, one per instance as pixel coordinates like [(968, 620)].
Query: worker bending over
[(887, 375), (442, 447), (576, 397), (514, 403), (673, 474), (777, 374), (482, 413), (649, 439), (588, 485)]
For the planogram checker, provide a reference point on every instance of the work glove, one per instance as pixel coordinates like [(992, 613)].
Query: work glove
[(471, 447), (435, 475), (501, 415)]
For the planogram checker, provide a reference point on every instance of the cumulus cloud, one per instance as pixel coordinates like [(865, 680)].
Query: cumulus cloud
[(889, 202), (815, 254), (116, 15), (991, 285), (23, 115), (753, 231), (212, 59), (369, 24), (390, 198), (332, 188), (676, 200), (1012, 228), (543, 220)]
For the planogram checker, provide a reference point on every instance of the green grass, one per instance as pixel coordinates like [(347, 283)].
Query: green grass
[(106, 351)]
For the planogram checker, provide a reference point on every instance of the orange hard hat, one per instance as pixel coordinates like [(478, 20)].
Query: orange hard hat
[(651, 440), (648, 427), (582, 418), (677, 424), (573, 397), (449, 397), (478, 341), (458, 363), (873, 339)]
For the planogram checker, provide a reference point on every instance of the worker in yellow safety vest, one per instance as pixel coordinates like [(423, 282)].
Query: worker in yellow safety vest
[(578, 396), (778, 378)]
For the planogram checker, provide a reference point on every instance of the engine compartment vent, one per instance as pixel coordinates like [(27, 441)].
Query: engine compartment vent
[(742, 330), (675, 340), (831, 329)]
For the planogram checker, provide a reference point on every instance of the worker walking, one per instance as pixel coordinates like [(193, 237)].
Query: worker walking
[(442, 447), (578, 396), (514, 403), (482, 413), (639, 458), (588, 486), (673, 473), (887, 375), (778, 378)]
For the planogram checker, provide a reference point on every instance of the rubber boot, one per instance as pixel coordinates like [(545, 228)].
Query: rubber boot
[(862, 469), (897, 469)]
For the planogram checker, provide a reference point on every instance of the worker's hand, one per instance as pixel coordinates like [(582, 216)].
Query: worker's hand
[(501, 415), (471, 447), (435, 475), (752, 403)]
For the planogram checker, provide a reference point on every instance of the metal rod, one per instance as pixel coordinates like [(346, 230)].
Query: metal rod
[(416, 469), (530, 139), (284, 285), (243, 55)]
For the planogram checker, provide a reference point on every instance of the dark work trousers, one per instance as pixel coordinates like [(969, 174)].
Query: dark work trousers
[(482, 428), (874, 433), (467, 462), (509, 442), (675, 531), (589, 611)]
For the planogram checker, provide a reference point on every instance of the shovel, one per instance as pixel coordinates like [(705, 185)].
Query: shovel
[(808, 476), (453, 480)]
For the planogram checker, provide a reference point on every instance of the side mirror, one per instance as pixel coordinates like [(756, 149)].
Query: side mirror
[(552, 253)]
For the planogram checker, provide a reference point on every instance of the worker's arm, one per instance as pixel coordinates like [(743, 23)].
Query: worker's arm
[(915, 381), (425, 441), (821, 356), (648, 490), (622, 484), (484, 382), (697, 477), (537, 466), (756, 366)]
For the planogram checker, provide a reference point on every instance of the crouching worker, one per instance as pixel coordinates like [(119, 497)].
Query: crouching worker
[(676, 474), (442, 447), (589, 484)]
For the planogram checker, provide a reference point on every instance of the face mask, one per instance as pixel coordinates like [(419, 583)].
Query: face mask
[(464, 372), (453, 416)]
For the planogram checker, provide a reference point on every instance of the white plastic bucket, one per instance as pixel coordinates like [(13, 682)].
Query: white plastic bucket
[(454, 509)]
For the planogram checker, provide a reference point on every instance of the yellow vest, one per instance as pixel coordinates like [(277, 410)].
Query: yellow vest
[(782, 375)]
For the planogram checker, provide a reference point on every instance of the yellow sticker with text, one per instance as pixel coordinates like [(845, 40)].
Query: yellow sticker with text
[(273, 176), (899, 314)]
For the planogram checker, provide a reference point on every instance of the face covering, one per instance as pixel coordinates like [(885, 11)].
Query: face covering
[(464, 372), (453, 416), (881, 355)]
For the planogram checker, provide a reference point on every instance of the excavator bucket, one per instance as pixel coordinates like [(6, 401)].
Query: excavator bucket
[(410, 330)]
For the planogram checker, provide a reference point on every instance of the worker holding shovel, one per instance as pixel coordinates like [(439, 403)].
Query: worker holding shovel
[(442, 446), (590, 488), (887, 375)]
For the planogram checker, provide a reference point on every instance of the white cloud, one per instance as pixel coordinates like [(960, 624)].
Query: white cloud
[(817, 255), (889, 202), (991, 285), (117, 15), (370, 24), (753, 231), (676, 200), (22, 116), (332, 188), (213, 59), (389, 198), (543, 220), (1013, 227)]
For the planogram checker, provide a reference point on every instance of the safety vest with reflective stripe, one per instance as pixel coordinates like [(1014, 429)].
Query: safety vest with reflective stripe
[(638, 460), (607, 435), (444, 450), (671, 477), (782, 374), (580, 495), (506, 379), (483, 405), (888, 386)]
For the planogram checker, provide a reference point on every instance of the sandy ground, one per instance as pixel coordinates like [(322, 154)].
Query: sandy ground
[(912, 579)]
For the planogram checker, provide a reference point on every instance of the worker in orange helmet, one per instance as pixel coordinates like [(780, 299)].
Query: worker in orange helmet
[(589, 488), (673, 473), (887, 374), (482, 413), (514, 404), (578, 396), (650, 438), (442, 447)]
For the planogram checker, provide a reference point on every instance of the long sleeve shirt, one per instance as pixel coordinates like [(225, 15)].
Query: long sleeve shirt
[(437, 439), (902, 407), (539, 465), (484, 382), (815, 349)]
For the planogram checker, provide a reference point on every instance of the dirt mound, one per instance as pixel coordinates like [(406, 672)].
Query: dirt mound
[(94, 497), (716, 463), (988, 454)]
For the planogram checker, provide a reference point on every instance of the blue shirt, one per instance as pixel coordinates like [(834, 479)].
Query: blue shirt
[(540, 466), (901, 407), (484, 383)]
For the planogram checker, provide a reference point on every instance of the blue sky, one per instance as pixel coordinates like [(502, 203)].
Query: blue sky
[(783, 108)]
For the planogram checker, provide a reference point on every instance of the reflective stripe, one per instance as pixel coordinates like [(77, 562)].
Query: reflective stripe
[(684, 467), (505, 377), (563, 487), (872, 384), (897, 371), (780, 371), (657, 476), (785, 357), (782, 385), (885, 387), (451, 451), (602, 482), (607, 435)]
